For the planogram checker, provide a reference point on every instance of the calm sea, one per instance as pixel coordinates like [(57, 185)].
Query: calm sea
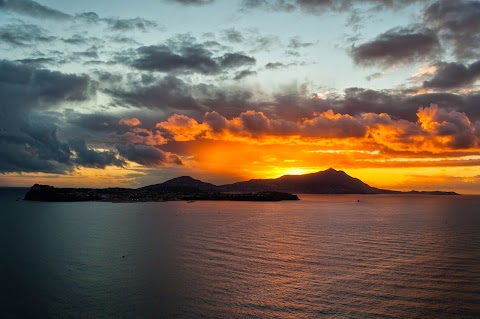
[(321, 257)]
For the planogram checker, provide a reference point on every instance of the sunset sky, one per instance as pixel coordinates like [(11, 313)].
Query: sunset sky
[(123, 93)]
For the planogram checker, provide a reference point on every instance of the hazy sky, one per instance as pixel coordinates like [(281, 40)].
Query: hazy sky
[(122, 93)]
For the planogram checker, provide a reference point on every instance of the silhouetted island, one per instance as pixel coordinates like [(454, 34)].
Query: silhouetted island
[(118, 195), (187, 188)]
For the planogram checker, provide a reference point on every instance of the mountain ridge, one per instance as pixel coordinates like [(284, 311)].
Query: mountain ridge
[(188, 188), (330, 181)]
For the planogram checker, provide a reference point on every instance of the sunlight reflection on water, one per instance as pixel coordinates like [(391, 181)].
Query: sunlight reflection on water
[(323, 256)]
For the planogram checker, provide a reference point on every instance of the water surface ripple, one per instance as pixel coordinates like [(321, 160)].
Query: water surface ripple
[(321, 257)]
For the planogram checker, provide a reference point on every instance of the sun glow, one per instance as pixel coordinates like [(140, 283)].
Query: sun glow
[(297, 171)]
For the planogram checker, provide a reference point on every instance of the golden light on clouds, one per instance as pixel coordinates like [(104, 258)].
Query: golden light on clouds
[(383, 151)]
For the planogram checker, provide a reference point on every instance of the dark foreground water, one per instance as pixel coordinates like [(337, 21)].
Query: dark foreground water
[(321, 257)]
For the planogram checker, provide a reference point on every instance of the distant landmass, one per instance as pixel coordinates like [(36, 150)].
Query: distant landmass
[(330, 181)]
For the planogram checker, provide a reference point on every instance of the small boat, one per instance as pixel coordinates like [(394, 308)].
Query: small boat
[(190, 201)]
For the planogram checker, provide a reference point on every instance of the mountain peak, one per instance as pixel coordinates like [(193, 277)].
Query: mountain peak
[(183, 182), (183, 179), (332, 170)]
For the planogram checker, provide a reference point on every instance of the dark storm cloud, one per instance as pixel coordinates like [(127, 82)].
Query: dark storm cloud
[(400, 104), (23, 35), (171, 94), (29, 141), (87, 157), (148, 155), (230, 101), (183, 57), (191, 2), (454, 75), (94, 123), (458, 22), (161, 58), (26, 87), (399, 45), (294, 103), (167, 93), (33, 147), (33, 9)]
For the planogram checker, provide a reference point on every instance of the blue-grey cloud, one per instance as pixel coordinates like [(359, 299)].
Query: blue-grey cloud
[(37, 10), (23, 35), (233, 36), (39, 62), (137, 23), (33, 9), (458, 23), (87, 157), (183, 57), (398, 46), (244, 74), (454, 75), (191, 2), (318, 7), (275, 65), (297, 43), (170, 94), (148, 155), (27, 87), (118, 24), (166, 93), (28, 140)]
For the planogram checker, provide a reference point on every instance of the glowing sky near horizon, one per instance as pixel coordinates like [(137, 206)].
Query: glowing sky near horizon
[(115, 93)]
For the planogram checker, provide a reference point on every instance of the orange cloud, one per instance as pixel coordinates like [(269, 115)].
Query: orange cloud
[(144, 136), (436, 131), (130, 122), (183, 127), (256, 145)]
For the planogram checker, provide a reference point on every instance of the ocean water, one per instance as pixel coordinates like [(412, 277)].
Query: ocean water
[(321, 257)]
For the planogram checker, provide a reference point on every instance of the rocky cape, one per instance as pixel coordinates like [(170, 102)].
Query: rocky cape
[(187, 188)]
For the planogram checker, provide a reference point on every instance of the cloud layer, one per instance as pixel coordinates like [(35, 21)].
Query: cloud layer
[(248, 89)]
